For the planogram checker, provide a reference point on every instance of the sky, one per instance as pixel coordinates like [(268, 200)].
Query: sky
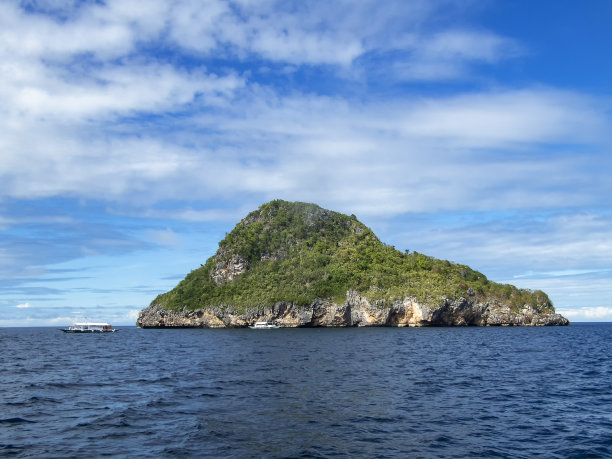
[(135, 135)]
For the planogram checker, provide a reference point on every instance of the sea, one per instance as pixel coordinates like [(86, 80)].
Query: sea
[(511, 392)]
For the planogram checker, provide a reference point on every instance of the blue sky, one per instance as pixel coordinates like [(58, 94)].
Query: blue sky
[(134, 137)]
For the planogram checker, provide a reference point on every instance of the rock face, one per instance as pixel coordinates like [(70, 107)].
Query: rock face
[(356, 311), (227, 270)]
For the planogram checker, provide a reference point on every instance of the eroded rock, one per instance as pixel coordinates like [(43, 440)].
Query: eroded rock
[(356, 311)]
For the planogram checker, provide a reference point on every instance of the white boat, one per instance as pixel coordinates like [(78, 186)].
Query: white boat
[(261, 325), (89, 327)]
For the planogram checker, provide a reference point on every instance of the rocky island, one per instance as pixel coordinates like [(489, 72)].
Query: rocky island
[(298, 265)]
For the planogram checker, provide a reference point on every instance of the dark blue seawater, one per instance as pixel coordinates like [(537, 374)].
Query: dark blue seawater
[(378, 392)]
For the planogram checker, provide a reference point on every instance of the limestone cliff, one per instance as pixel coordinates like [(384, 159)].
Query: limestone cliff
[(356, 311), (298, 265)]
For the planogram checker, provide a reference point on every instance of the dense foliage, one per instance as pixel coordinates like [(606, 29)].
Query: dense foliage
[(298, 252)]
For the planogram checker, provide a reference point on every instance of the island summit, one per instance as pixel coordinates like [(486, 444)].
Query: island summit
[(294, 264)]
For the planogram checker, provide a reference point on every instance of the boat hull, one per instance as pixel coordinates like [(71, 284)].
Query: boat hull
[(89, 327), (65, 330), (263, 326)]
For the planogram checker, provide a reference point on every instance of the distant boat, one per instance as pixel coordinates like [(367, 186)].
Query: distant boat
[(261, 325), (89, 327)]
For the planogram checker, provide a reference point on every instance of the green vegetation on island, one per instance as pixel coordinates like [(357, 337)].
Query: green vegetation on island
[(299, 252)]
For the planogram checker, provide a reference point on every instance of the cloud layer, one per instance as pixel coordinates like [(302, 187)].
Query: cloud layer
[(145, 119), (103, 101)]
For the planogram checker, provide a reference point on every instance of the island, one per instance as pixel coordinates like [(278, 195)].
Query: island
[(295, 264)]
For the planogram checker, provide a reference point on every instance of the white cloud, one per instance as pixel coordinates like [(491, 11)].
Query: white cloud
[(509, 118), (313, 34), (115, 90), (414, 148), (82, 68), (188, 214), (58, 320), (193, 24), (560, 273), (165, 237), (103, 30), (413, 155), (599, 314), (23, 306), (468, 44), (449, 54), (251, 136)]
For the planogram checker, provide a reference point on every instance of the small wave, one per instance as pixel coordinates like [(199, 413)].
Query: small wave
[(52, 385), (106, 421), (378, 419), (34, 401), (16, 421), (60, 385), (10, 450), (160, 403), (177, 451), (311, 453), (441, 441)]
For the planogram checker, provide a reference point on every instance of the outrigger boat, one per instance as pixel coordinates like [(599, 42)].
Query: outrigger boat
[(263, 325), (89, 327)]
